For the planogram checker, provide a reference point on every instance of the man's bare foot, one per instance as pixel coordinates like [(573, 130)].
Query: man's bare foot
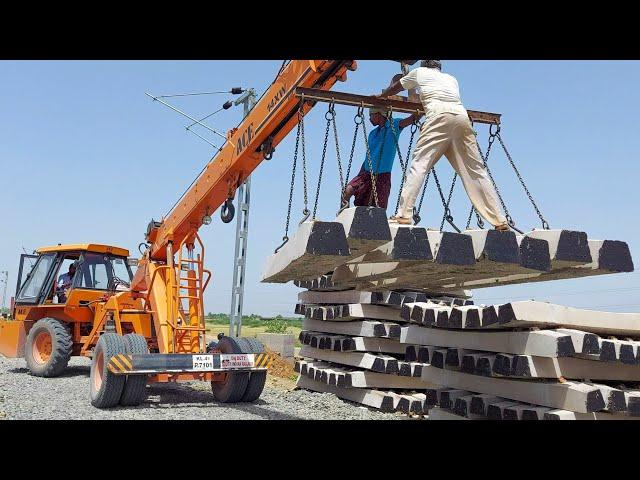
[(401, 220)]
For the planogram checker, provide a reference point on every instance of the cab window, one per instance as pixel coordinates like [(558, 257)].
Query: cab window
[(103, 272), (32, 287)]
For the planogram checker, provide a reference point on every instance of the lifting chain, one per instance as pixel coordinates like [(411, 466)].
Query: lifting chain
[(545, 225), (403, 164), (446, 208), (371, 172), (479, 220), (492, 137), (285, 239), (305, 211), (416, 212), (328, 117), (358, 116), (335, 137), (447, 213)]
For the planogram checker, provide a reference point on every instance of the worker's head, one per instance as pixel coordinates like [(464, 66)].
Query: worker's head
[(431, 64), (377, 116), (72, 268)]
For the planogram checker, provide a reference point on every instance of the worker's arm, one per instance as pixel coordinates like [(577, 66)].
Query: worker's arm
[(405, 122), (409, 81), (393, 89)]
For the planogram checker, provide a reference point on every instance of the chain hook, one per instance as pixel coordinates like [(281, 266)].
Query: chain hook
[(512, 224), (285, 239), (416, 216), (228, 211), (306, 213)]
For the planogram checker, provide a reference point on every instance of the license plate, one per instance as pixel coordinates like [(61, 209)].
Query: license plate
[(202, 362), (237, 360)]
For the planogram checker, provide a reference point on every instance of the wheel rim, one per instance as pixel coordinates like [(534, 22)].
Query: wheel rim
[(98, 369), (42, 347)]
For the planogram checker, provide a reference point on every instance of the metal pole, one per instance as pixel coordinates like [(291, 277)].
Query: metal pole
[(242, 232), (4, 290)]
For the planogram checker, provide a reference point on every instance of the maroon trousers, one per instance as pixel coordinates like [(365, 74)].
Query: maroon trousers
[(363, 193)]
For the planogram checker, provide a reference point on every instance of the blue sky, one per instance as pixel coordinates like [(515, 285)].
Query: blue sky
[(86, 156)]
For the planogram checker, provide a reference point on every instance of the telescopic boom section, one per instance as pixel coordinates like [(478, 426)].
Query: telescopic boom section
[(272, 118)]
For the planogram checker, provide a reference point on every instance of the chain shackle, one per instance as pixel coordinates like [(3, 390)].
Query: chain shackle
[(359, 116), (331, 112)]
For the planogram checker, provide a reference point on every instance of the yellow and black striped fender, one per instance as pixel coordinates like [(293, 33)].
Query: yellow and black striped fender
[(120, 364), (126, 364), (263, 360)]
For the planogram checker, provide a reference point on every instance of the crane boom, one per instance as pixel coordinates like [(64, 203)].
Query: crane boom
[(267, 124), (173, 288)]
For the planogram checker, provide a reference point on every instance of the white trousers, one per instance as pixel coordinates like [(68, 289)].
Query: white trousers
[(451, 135)]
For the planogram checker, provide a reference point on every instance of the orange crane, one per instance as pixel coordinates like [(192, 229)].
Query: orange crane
[(149, 326)]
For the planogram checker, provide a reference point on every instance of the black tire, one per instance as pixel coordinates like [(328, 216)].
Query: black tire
[(235, 384), (105, 387), (256, 379), (135, 386), (49, 361)]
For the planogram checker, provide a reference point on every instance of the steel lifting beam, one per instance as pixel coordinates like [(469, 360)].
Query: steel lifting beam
[(397, 103)]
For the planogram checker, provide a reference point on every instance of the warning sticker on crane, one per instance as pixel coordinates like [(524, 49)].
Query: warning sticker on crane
[(225, 361), (237, 360)]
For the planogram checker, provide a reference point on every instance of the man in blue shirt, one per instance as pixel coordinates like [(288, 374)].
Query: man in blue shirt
[(382, 147)]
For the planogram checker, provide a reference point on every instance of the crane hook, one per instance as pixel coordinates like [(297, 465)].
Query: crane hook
[(228, 211)]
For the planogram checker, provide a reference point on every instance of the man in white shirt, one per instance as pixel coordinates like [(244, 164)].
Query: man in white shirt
[(446, 131)]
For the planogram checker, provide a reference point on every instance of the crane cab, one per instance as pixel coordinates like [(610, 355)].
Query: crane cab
[(64, 283)]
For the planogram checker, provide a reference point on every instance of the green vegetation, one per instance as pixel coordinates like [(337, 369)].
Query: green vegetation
[(254, 320), (277, 325), (252, 325)]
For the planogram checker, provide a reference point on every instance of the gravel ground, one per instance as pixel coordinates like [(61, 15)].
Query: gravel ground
[(25, 397)]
